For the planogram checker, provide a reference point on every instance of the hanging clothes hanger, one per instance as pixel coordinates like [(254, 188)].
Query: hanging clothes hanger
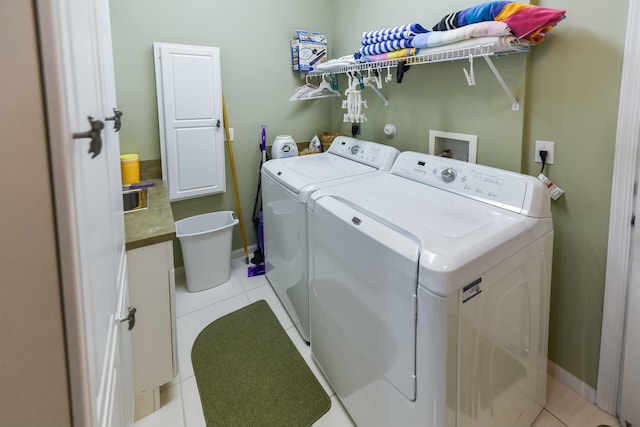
[(302, 90), (323, 90), (377, 79), (354, 103), (389, 77), (334, 81), (384, 99), (471, 78)]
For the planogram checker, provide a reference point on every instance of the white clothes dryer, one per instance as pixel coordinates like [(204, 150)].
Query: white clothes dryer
[(429, 294), (286, 187)]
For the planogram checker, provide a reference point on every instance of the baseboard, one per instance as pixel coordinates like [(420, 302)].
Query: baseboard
[(572, 382), (239, 253)]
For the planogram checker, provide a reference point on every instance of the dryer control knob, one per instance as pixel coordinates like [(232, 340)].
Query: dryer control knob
[(355, 149), (448, 175)]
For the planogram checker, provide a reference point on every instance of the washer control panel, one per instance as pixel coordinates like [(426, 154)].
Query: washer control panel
[(498, 187), (370, 153)]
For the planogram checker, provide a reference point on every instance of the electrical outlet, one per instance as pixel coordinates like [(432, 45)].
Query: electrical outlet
[(547, 146), (355, 129)]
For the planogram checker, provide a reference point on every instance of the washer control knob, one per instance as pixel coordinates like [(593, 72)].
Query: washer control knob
[(355, 149), (448, 175)]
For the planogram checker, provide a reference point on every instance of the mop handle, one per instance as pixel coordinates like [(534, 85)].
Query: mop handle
[(235, 181), (263, 147)]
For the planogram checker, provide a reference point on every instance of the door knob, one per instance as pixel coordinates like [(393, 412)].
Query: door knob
[(95, 145)]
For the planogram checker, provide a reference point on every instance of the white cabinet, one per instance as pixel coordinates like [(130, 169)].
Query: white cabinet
[(152, 292), (189, 91)]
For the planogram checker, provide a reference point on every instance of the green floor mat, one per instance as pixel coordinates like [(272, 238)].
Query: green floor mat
[(249, 373)]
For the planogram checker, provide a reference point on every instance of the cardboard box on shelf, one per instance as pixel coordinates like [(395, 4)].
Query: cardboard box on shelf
[(307, 49)]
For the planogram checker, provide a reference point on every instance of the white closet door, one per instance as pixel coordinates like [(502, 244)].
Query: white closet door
[(191, 122), (80, 95)]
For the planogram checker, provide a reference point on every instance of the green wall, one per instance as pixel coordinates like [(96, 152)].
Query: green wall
[(257, 82), (573, 89), (436, 96), (571, 83)]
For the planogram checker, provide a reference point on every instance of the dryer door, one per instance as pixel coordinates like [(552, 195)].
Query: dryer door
[(362, 302)]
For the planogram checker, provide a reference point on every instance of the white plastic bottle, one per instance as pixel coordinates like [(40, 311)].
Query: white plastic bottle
[(283, 146)]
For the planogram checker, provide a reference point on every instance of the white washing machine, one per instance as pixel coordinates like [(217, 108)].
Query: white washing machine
[(429, 294), (286, 186)]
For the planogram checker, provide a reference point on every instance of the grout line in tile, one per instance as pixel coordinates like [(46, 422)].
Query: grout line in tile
[(246, 293), (209, 305), (554, 416)]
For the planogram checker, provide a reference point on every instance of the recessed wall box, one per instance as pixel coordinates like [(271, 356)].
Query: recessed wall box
[(459, 146)]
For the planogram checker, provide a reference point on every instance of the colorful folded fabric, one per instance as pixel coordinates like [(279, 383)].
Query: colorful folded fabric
[(482, 12), (525, 20), (533, 23), (402, 53), (388, 46), (492, 44), (412, 29), (405, 35), (480, 29)]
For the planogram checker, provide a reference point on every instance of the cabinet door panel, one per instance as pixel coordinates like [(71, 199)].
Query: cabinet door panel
[(190, 116), (150, 269)]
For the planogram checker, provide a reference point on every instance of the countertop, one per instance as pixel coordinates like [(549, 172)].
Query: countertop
[(154, 224)]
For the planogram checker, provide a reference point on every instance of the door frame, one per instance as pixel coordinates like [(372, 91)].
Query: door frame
[(621, 213)]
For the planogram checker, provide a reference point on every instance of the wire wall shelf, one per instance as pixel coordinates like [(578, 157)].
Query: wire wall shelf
[(485, 51)]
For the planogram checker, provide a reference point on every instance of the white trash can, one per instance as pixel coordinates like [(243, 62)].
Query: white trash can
[(206, 248)]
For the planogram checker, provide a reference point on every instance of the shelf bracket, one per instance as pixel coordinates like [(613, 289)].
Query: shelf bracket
[(515, 106)]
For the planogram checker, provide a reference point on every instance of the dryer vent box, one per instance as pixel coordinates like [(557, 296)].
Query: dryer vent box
[(459, 146)]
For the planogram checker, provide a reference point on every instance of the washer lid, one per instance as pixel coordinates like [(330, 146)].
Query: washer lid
[(460, 237), (345, 158), (303, 174)]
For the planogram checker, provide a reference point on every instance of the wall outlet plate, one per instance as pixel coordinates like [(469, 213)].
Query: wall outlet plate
[(547, 146)]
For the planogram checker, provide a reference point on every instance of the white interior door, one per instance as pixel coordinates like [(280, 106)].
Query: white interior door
[(80, 90), (189, 91)]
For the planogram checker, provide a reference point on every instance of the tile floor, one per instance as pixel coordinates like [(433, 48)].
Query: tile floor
[(181, 402)]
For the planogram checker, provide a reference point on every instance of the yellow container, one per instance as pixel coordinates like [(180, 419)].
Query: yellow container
[(130, 168)]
